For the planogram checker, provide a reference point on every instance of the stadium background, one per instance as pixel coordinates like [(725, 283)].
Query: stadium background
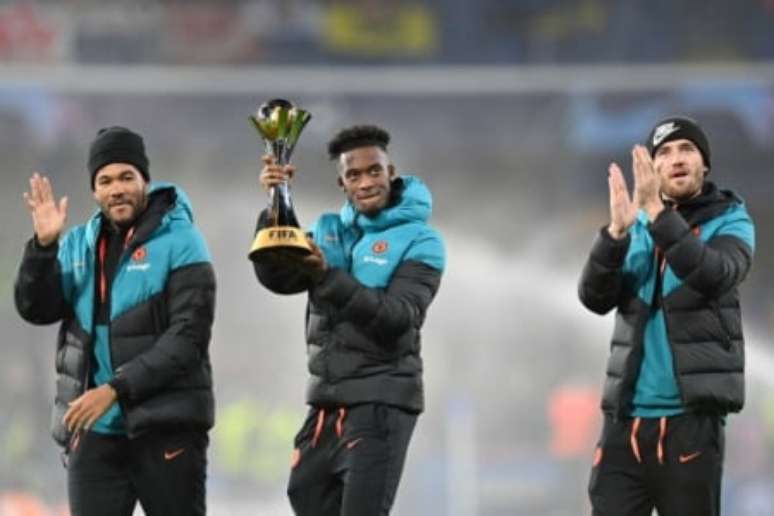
[(511, 111)]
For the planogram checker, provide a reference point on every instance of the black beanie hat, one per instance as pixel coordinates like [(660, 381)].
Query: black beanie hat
[(677, 128), (117, 145)]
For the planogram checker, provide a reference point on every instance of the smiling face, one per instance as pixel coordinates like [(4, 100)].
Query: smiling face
[(365, 175), (681, 168), (121, 192)]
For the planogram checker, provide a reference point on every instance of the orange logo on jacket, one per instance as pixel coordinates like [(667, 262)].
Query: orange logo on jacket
[(379, 246), (139, 254)]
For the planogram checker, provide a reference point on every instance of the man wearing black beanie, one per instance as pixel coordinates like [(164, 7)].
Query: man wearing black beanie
[(670, 261), (134, 291), (117, 145)]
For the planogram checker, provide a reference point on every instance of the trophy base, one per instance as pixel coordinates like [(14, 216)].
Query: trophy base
[(275, 240)]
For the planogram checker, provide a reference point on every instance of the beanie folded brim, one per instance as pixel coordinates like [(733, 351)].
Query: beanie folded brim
[(117, 145)]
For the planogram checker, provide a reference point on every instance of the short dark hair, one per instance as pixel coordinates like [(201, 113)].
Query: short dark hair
[(358, 136)]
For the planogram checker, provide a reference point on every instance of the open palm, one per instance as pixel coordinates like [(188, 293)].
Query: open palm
[(623, 209), (48, 215)]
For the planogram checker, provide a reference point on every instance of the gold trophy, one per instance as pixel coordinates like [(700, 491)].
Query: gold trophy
[(280, 124)]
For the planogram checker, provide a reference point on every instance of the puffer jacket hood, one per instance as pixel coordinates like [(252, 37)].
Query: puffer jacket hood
[(163, 197), (411, 202)]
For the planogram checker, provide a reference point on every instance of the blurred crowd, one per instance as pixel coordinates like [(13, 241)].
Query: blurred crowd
[(357, 31)]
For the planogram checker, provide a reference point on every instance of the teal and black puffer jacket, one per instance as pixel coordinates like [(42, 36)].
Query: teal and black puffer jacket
[(162, 299), (707, 246), (364, 316)]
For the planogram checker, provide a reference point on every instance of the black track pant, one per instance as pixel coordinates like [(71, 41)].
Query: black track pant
[(672, 464), (348, 461), (107, 475)]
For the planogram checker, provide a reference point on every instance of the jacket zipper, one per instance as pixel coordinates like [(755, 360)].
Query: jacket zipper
[(107, 293), (350, 253), (121, 259), (658, 296)]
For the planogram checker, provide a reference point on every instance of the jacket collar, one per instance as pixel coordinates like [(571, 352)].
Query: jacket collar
[(410, 201), (710, 203), (165, 201)]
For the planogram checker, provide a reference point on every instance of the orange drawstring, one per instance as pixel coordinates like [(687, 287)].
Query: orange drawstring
[(662, 426), (633, 439), (660, 260), (318, 427), (75, 441), (102, 278), (340, 422), (102, 253), (662, 429), (129, 235)]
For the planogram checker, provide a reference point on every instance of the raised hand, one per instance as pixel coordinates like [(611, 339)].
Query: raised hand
[(48, 215), (647, 183), (623, 209)]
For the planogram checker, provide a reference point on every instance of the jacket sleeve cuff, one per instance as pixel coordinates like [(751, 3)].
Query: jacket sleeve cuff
[(667, 228), (608, 251), (335, 286), (43, 251), (121, 387)]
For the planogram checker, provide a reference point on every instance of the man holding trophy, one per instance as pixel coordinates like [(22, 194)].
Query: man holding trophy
[(370, 273)]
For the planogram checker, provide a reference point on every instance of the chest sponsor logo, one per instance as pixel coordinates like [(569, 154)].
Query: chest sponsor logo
[(375, 259)]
